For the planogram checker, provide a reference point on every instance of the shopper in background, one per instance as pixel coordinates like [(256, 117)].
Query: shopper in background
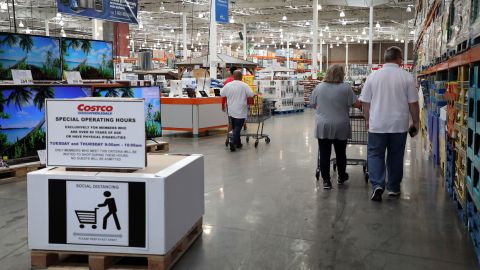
[(332, 99), (237, 93), (389, 98), (231, 78)]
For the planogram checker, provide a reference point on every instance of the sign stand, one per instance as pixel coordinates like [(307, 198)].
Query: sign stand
[(99, 198)]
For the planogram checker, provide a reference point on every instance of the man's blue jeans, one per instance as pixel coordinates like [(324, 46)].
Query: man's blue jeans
[(237, 125), (394, 146)]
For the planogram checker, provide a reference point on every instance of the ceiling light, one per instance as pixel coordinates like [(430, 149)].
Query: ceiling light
[(284, 18), (352, 40), (409, 9), (140, 26), (59, 15), (412, 32), (164, 39), (345, 38), (62, 33), (268, 46), (338, 44), (273, 42), (311, 33), (304, 46), (308, 40), (253, 40), (326, 28), (4, 6), (232, 20), (321, 34), (358, 41), (172, 31), (329, 35), (262, 40), (356, 30), (100, 28), (364, 42), (281, 35), (319, 7), (198, 34), (391, 37), (337, 38), (402, 41), (200, 15), (364, 32), (323, 41), (271, 34), (344, 22), (128, 46), (331, 46), (342, 14), (28, 31), (396, 39), (127, 37), (377, 25), (307, 23)]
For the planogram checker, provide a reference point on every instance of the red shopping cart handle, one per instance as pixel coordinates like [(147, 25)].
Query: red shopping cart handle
[(250, 101)]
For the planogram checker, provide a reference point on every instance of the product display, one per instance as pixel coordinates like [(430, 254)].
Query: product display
[(92, 58), (39, 54)]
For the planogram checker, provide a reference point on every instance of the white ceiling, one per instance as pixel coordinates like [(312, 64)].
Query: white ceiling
[(263, 19)]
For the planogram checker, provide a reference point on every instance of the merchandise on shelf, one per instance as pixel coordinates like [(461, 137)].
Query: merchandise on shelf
[(308, 86), (286, 94)]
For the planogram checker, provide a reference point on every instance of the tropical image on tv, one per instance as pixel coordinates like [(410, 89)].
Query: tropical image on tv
[(92, 58), (22, 117), (153, 115), (39, 54)]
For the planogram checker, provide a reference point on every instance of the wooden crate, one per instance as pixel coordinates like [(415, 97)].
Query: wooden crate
[(14, 171), (101, 261)]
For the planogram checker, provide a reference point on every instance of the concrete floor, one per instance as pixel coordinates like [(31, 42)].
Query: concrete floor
[(263, 211)]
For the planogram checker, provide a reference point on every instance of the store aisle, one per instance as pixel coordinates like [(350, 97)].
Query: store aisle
[(263, 211)]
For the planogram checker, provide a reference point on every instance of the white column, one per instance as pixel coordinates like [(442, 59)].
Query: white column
[(47, 28), (184, 35), (288, 52), (244, 41), (97, 29), (321, 54), (326, 64), (315, 39), (370, 36), (405, 50), (346, 58), (212, 56)]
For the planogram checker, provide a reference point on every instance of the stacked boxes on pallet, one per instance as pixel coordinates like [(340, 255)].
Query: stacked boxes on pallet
[(437, 101), (286, 94), (308, 87)]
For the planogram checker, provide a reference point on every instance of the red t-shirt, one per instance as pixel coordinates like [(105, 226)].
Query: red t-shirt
[(228, 80)]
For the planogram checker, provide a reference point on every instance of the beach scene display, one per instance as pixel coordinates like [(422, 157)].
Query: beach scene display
[(92, 58), (39, 54), (22, 117), (153, 115)]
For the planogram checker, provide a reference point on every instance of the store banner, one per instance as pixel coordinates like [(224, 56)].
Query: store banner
[(221, 11), (99, 213), (110, 10), (96, 133)]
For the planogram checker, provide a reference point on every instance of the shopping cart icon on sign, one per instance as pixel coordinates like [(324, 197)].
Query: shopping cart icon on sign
[(87, 217)]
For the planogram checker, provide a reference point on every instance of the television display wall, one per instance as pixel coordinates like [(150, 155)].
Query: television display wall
[(92, 58), (153, 115), (22, 117), (39, 54)]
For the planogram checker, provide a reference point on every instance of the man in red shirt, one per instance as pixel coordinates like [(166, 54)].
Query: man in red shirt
[(230, 79)]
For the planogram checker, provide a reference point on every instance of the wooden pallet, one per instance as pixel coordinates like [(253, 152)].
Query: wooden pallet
[(14, 171), (59, 260), (157, 146)]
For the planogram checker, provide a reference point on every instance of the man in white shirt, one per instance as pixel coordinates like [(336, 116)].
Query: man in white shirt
[(237, 93), (389, 98)]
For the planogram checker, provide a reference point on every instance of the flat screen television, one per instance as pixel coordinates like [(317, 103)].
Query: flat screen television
[(92, 58), (39, 54), (22, 117), (153, 115)]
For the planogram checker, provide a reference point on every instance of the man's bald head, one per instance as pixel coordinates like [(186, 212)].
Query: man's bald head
[(237, 75)]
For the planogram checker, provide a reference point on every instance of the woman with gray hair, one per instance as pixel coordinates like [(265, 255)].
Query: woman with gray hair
[(332, 100)]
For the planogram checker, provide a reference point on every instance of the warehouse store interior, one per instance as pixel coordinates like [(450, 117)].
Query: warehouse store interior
[(123, 145)]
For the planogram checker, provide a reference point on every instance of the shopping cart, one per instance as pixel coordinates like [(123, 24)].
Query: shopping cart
[(359, 137), (259, 110), (87, 217)]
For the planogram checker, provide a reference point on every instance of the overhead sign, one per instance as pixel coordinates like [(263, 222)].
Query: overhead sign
[(21, 76), (99, 213), (221, 11), (109, 10), (96, 133)]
